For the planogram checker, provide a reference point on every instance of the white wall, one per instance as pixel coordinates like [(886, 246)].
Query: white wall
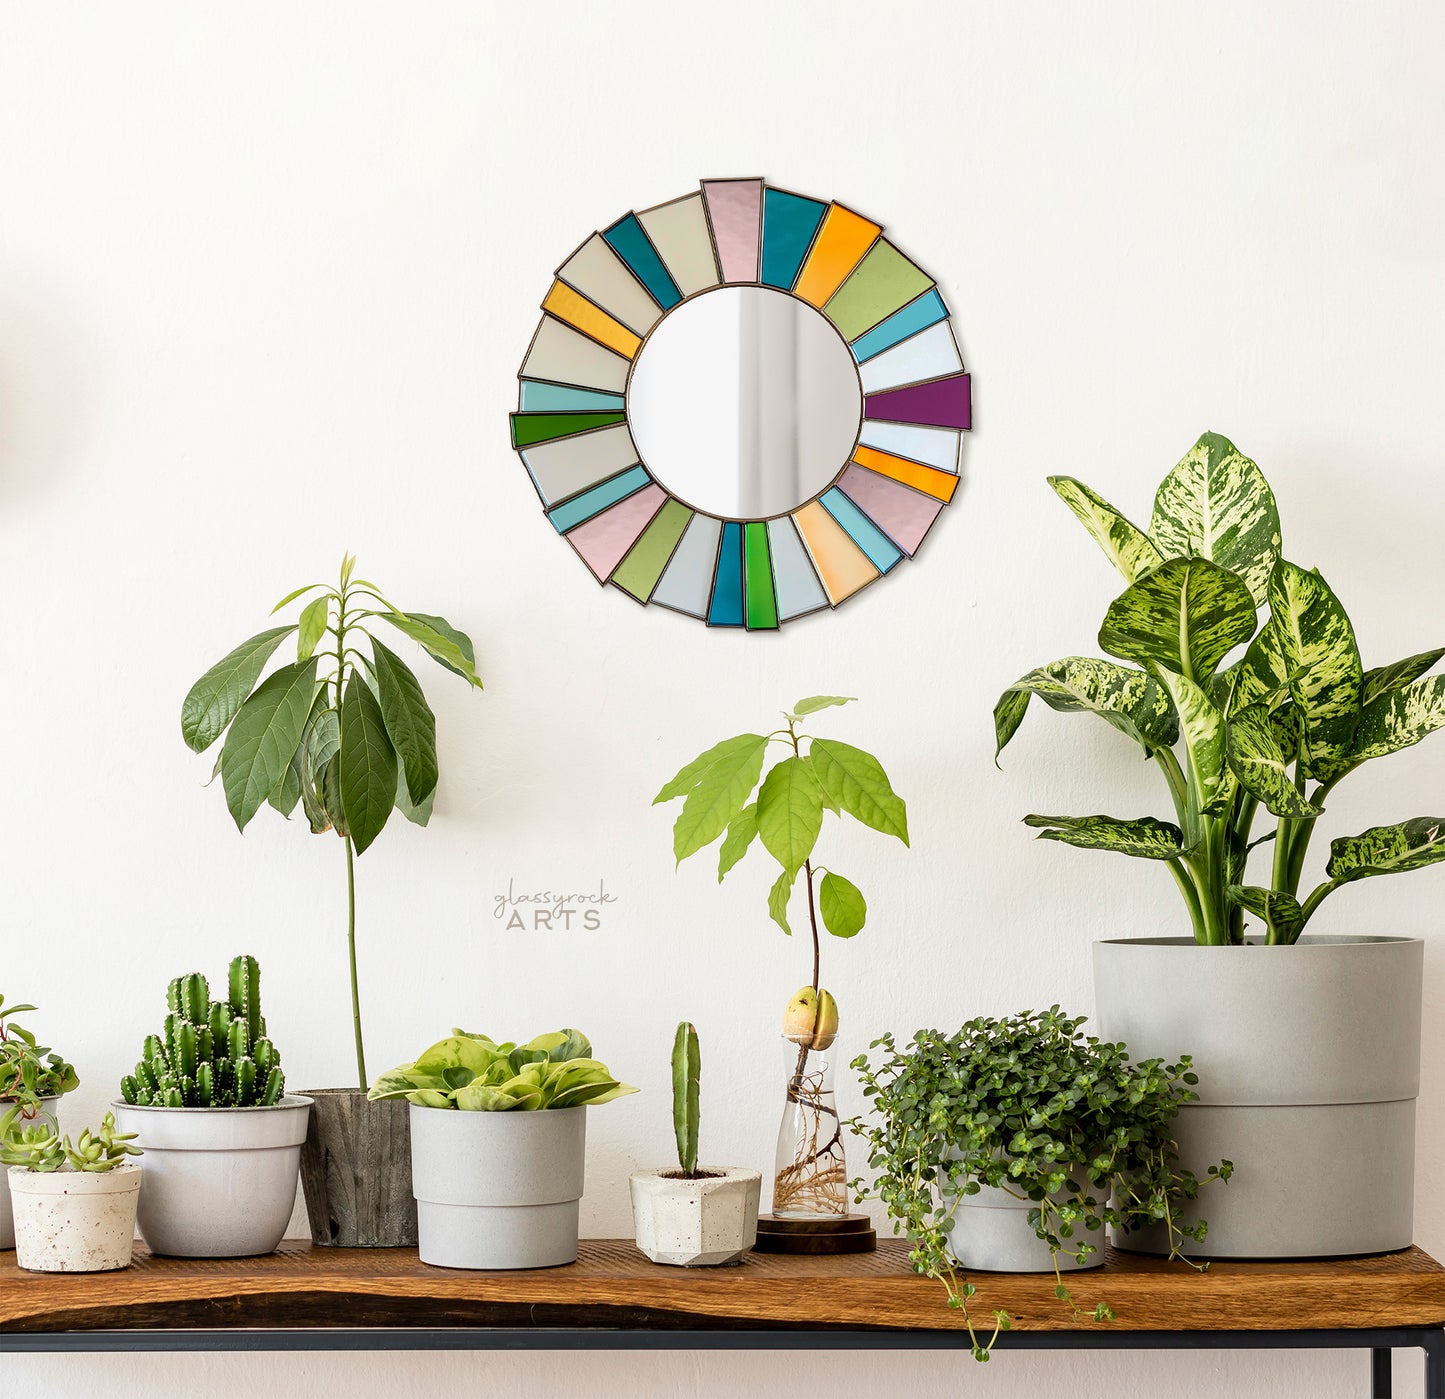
[(266, 274)]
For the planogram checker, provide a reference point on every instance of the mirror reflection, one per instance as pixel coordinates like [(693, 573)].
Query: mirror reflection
[(744, 403)]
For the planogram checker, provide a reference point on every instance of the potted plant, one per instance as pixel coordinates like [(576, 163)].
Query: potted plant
[(498, 1145), (74, 1202), (1309, 1043), (688, 1216), (32, 1080), (348, 737), (222, 1137), (1009, 1145), (786, 816)]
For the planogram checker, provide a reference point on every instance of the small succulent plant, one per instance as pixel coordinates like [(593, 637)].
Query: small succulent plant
[(29, 1071), (38, 1146), (686, 1111), (212, 1054)]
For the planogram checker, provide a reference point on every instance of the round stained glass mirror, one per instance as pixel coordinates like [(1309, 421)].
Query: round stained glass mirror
[(744, 404)]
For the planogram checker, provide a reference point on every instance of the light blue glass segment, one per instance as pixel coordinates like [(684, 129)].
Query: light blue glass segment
[(606, 493), (789, 223), (628, 240), (919, 314), (538, 397), (727, 587), (865, 534)]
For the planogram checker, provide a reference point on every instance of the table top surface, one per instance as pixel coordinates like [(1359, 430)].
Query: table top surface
[(612, 1285)]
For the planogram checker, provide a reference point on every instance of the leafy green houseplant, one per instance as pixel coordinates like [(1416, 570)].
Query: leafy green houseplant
[(815, 776), (343, 732), (1026, 1108), (29, 1071), (1278, 728)]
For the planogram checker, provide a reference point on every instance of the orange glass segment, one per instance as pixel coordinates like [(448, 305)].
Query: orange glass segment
[(929, 479), (841, 565), (837, 250), (574, 308)]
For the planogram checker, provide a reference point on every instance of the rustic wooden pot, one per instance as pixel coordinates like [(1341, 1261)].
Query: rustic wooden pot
[(356, 1171)]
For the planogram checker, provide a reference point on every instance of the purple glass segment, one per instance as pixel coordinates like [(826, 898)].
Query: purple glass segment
[(943, 403)]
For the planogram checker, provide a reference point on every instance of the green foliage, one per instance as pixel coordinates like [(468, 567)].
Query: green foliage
[(1277, 729), (686, 1111), (343, 731), (1030, 1105), (473, 1073), (29, 1071), (210, 1053), (38, 1146)]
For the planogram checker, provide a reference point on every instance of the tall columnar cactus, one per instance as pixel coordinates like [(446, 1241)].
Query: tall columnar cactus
[(686, 1114), (212, 1053)]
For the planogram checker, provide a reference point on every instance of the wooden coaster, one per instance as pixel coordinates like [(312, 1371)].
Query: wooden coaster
[(844, 1233)]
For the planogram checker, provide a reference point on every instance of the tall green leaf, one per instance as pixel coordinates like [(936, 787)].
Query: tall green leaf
[(1399, 719), (410, 723), (367, 766), (1130, 550), (439, 646), (718, 794), (1322, 662), (262, 737), (855, 780), (814, 703), (1280, 912), (778, 897), (462, 640), (1217, 504), (742, 829), (1410, 845), (418, 813), (288, 790), (1203, 728), (690, 774), (842, 905), (1131, 701), (214, 699), (1183, 617), (1257, 760), (1263, 674), (1144, 838), (312, 627), (1383, 679), (790, 812)]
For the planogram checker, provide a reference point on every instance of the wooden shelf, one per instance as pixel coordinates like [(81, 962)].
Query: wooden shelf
[(613, 1286)]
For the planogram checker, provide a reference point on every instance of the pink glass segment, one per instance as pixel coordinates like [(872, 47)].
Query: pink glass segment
[(903, 514), (605, 539), (735, 208)]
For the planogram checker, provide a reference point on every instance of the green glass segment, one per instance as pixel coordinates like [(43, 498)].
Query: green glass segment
[(758, 562), (528, 429), (884, 281), (639, 571)]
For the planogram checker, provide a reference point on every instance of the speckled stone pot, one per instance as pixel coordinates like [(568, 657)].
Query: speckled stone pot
[(695, 1223), (50, 1106), (74, 1221)]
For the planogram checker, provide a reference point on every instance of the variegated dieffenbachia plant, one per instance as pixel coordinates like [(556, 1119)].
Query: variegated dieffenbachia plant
[(1277, 728)]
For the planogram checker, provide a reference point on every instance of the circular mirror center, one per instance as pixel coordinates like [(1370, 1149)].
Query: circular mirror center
[(744, 403)]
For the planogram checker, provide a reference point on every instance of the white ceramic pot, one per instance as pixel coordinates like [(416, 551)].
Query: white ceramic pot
[(696, 1223), (497, 1189), (1309, 1066), (218, 1182), (7, 1221), (992, 1234), (74, 1221)]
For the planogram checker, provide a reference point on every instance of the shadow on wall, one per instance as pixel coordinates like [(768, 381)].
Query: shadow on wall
[(43, 398)]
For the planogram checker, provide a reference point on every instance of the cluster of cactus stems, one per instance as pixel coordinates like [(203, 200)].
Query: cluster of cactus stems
[(213, 1054), (686, 1072)]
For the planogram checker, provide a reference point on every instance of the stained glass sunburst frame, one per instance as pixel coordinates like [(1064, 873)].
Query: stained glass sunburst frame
[(571, 427)]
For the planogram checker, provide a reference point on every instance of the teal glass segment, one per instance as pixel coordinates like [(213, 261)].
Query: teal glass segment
[(865, 534), (789, 223), (539, 397), (726, 609), (919, 314), (592, 502), (627, 239)]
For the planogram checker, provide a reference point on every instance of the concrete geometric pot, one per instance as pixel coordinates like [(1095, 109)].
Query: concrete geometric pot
[(1309, 1066), (356, 1171), (992, 1234), (695, 1223), (497, 1189), (74, 1221), (218, 1182), (50, 1107)]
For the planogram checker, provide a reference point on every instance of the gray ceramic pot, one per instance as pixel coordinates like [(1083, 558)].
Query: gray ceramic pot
[(497, 1189), (1309, 1065), (992, 1234), (50, 1106)]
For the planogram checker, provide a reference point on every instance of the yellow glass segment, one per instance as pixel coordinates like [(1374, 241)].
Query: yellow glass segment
[(574, 308), (839, 247), (929, 479), (841, 564)]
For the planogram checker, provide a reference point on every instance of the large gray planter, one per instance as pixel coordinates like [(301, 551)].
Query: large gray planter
[(1309, 1064), (218, 1182), (497, 1189), (50, 1106)]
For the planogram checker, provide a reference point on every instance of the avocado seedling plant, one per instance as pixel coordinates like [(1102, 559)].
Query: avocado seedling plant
[(344, 732), (814, 776), (1279, 728)]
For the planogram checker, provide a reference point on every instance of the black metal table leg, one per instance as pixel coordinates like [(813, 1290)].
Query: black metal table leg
[(1433, 1344), (1381, 1380)]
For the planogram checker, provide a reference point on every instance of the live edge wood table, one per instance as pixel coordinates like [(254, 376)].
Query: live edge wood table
[(384, 1299)]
